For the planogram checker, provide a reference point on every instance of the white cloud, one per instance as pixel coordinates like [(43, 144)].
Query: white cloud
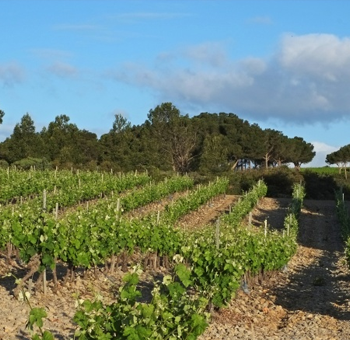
[(322, 150), (211, 53), (253, 66), (316, 55), (5, 131), (11, 73), (323, 147), (63, 70), (304, 81), (57, 62)]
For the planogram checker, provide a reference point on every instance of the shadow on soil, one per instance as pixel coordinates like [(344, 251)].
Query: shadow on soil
[(274, 217), (315, 290), (321, 287), (9, 282), (56, 336)]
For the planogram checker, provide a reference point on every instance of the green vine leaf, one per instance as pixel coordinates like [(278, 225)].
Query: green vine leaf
[(184, 274), (36, 318)]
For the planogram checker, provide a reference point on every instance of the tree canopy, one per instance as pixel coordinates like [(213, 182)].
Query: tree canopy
[(340, 157), (167, 140), (2, 114)]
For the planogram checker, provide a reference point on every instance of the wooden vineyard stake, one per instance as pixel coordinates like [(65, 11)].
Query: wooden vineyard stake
[(56, 211), (217, 234), (289, 224), (44, 272), (44, 282), (44, 200), (118, 209)]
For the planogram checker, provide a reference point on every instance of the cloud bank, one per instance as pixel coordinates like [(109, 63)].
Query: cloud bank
[(322, 150), (11, 74), (304, 81), (63, 70)]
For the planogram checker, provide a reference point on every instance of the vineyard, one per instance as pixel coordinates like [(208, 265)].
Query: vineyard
[(124, 231)]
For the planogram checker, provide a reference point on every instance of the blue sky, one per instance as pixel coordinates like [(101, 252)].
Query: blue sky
[(281, 64)]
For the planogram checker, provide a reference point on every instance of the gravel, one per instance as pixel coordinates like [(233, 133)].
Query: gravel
[(308, 300), (311, 300)]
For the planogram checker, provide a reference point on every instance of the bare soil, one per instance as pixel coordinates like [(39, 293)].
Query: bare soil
[(309, 300)]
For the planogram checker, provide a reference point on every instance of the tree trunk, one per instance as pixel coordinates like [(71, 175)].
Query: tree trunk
[(233, 167)]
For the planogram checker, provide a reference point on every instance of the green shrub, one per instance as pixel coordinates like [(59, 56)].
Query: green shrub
[(30, 162), (3, 164)]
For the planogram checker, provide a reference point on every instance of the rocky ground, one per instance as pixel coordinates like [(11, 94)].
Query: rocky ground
[(309, 300)]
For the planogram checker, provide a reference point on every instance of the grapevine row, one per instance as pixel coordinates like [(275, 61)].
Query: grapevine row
[(215, 271), (344, 219), (78, 237), (77, 188), (30, 214)]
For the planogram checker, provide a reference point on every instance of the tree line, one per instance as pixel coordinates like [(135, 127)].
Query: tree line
[(168, 140), (340, 158)]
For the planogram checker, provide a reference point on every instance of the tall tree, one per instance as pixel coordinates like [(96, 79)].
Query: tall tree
[(120, 123), (341, 158), (333, 158), (59, 140), (175, 135), (86, 148), (145, 149), (229, 127), (214, 154), (24, 141), (232, 127), (282, 150), (2, 114), (272, 141), (252, 141), (300, 152), (116, 145)]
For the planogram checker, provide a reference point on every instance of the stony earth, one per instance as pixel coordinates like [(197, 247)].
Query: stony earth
[(310, 299)]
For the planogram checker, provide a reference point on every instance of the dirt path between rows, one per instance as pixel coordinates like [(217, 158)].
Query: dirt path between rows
[(310, 300)]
